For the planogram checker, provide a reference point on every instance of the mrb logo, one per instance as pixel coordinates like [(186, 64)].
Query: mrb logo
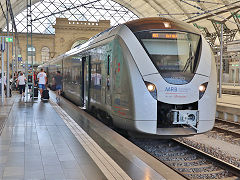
[(171, 89)]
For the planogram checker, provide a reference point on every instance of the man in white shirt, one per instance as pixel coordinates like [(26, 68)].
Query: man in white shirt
[(42, 80)]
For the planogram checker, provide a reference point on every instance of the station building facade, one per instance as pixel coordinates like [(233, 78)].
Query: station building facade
[(48, 46)]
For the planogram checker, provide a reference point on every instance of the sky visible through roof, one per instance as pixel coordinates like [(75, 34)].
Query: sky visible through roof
[(44, 13)]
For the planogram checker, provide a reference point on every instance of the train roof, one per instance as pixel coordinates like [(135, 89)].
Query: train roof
[(153, 23), (156, 23)]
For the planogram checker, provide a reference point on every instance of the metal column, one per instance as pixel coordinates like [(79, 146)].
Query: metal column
[(221, 59), (16, 54), (2, 77), (29, 65), (7, 75), (13, 68)]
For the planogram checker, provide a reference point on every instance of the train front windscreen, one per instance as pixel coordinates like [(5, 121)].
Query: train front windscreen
[(174, 54)]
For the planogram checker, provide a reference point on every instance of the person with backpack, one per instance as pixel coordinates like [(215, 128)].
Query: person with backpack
[(42, 80), (58, 81), (21, 81)]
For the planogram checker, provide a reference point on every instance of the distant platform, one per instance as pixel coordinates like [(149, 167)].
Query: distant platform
[(230, 89)]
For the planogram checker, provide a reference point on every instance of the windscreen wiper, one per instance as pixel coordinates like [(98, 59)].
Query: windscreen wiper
[(189, 62)]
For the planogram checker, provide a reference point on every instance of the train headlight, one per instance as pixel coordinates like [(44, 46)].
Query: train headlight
[(202, 88), (152, 89)]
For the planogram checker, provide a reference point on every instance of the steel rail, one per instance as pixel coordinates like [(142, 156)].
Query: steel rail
[(226, 130), (231, 168), (228, 122)]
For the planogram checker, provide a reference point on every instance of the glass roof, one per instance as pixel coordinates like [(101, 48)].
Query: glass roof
[(44, 13)]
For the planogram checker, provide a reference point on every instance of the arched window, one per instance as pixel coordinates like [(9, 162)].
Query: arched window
[(77, 43), (31, 54), (45, 54)]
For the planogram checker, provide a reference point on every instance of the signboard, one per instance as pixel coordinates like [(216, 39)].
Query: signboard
[(19, 59), (9, 39)]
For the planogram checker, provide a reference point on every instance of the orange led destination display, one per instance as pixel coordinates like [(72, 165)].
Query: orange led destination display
[(155, 35), (164, 35)]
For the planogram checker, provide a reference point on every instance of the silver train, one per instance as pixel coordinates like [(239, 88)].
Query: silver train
[(151, 75)]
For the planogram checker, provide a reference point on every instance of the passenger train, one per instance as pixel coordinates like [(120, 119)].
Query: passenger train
[(152, 75)]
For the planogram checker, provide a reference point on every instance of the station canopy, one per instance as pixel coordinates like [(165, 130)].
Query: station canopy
[(207, 15)]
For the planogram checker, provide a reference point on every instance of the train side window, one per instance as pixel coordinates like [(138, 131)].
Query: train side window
[(108, 65)]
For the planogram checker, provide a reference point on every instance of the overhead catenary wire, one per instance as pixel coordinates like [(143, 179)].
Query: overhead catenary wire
[(177, 14), (199, 8), (207, 2), (219, 8)]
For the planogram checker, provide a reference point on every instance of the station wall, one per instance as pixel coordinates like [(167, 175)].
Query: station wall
[(66, 34)]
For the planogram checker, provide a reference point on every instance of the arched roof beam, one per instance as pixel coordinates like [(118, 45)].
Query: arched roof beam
[(164, 9), (130, 7), (214, 14), (3, 11), (210, 14), (150, 3), (181, 7), (233, 15)]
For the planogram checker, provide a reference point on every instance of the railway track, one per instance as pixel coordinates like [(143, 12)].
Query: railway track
[(228, 128), (188, 161)]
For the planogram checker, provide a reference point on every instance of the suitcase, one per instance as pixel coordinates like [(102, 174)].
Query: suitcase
[(45, 94), (53, 87), (35, 91)]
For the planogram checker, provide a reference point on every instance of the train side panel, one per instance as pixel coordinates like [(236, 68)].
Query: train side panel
[(71, 78), (135, 104), (207, 104)]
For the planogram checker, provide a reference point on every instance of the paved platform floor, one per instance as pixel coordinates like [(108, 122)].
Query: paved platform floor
[(229, 100), (40, 141), (37, 144)]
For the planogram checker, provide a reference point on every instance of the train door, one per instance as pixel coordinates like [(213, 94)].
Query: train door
[(87, 81), (108, 99), (82, 82)]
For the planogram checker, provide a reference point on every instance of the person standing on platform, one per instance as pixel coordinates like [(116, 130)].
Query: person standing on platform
[(21, 84), (42, 79), (0, 84), (30, 81), (58, 81)]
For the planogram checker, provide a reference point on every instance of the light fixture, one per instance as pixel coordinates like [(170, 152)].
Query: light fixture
[(202, 88), (167, 24), (151, 87)]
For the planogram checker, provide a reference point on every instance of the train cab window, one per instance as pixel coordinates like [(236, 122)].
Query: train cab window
[(174, 54)]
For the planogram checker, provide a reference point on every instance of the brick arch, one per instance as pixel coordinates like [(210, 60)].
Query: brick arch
[(78, 39), (67, 32)]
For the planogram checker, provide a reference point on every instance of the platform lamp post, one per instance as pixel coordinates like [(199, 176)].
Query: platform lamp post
[(221, 66), (2, 57), (13, 58), (7, 47), (238, 68), (16, 54)]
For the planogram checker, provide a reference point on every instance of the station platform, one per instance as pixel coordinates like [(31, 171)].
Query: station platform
[(231, 89), (228, 106), (43, 141)]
